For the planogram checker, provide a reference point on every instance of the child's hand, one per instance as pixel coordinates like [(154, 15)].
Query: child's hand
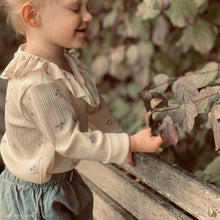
[(143, 141)]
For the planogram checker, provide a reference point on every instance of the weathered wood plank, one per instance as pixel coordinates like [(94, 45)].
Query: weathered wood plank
[(105, 208), (142, 205), (200, 199)]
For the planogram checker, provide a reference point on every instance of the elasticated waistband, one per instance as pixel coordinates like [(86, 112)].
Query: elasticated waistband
[(55, 179)]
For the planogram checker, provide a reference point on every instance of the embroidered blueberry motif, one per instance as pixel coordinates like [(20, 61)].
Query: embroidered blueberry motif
[(40, 143), (93, 138), (58, 93), (68, 79), (60, 125), (34, 170)]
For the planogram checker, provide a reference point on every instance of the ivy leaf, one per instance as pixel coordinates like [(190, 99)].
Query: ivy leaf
[(147, 10), (182, 12), (168, 131), (204, 76), (203, 36), (215, 125), (161, 82), (185, 116), (204, 99), (184, 90)]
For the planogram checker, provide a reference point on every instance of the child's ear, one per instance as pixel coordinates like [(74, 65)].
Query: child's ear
[(30, 15)]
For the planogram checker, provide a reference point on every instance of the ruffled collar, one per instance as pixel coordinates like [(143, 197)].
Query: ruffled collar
[(80, 84)]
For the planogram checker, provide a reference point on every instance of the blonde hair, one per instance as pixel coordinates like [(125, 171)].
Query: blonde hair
[(13, 9)]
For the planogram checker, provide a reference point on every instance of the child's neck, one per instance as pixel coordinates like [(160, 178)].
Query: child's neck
[(53, 54)]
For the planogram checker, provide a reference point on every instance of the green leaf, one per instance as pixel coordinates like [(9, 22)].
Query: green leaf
[(182, 12), (205, 99), (163, 64), (203, 36), (147, 10), (100, 66), (185, 42), (204, 76), (133, 90), (184, 90), (160, 31), (145, 51), (132, 54), (119, 107), (185, 116), (161, 83), (110, 19), (213, 168)]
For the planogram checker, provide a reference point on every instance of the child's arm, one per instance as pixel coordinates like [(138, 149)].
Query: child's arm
[(143, 141)]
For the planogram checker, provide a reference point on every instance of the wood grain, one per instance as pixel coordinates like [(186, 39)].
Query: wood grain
[(182, 188), (142, 204)]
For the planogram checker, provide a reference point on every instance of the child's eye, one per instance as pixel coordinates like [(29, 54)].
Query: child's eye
[(76, 10)]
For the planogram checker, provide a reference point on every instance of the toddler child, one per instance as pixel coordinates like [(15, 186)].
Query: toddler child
[(55, 117)]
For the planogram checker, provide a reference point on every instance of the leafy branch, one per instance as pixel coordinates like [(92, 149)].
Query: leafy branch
[(192, 96)]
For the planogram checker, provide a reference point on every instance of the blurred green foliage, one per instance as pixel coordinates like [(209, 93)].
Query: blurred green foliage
[(132, 41)]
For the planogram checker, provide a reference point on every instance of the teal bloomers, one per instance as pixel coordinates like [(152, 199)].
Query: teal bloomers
[(64, 197)]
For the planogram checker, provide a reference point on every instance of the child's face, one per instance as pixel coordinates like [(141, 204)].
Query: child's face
[(64, 23)]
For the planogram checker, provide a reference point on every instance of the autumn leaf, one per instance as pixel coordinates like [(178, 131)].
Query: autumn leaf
[(161, 83), (185, 116), (205, 98), (184, 90), (204, 76), (168, 131)]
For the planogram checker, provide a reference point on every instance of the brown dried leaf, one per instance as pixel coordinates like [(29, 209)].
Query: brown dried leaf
[(168, 131)]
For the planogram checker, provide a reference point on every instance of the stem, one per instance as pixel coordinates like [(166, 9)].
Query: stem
[(177, 107)]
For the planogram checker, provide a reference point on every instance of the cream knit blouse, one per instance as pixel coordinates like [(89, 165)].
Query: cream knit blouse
[(54, 119)]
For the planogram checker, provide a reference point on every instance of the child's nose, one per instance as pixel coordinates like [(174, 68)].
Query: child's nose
[(87, 17)]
